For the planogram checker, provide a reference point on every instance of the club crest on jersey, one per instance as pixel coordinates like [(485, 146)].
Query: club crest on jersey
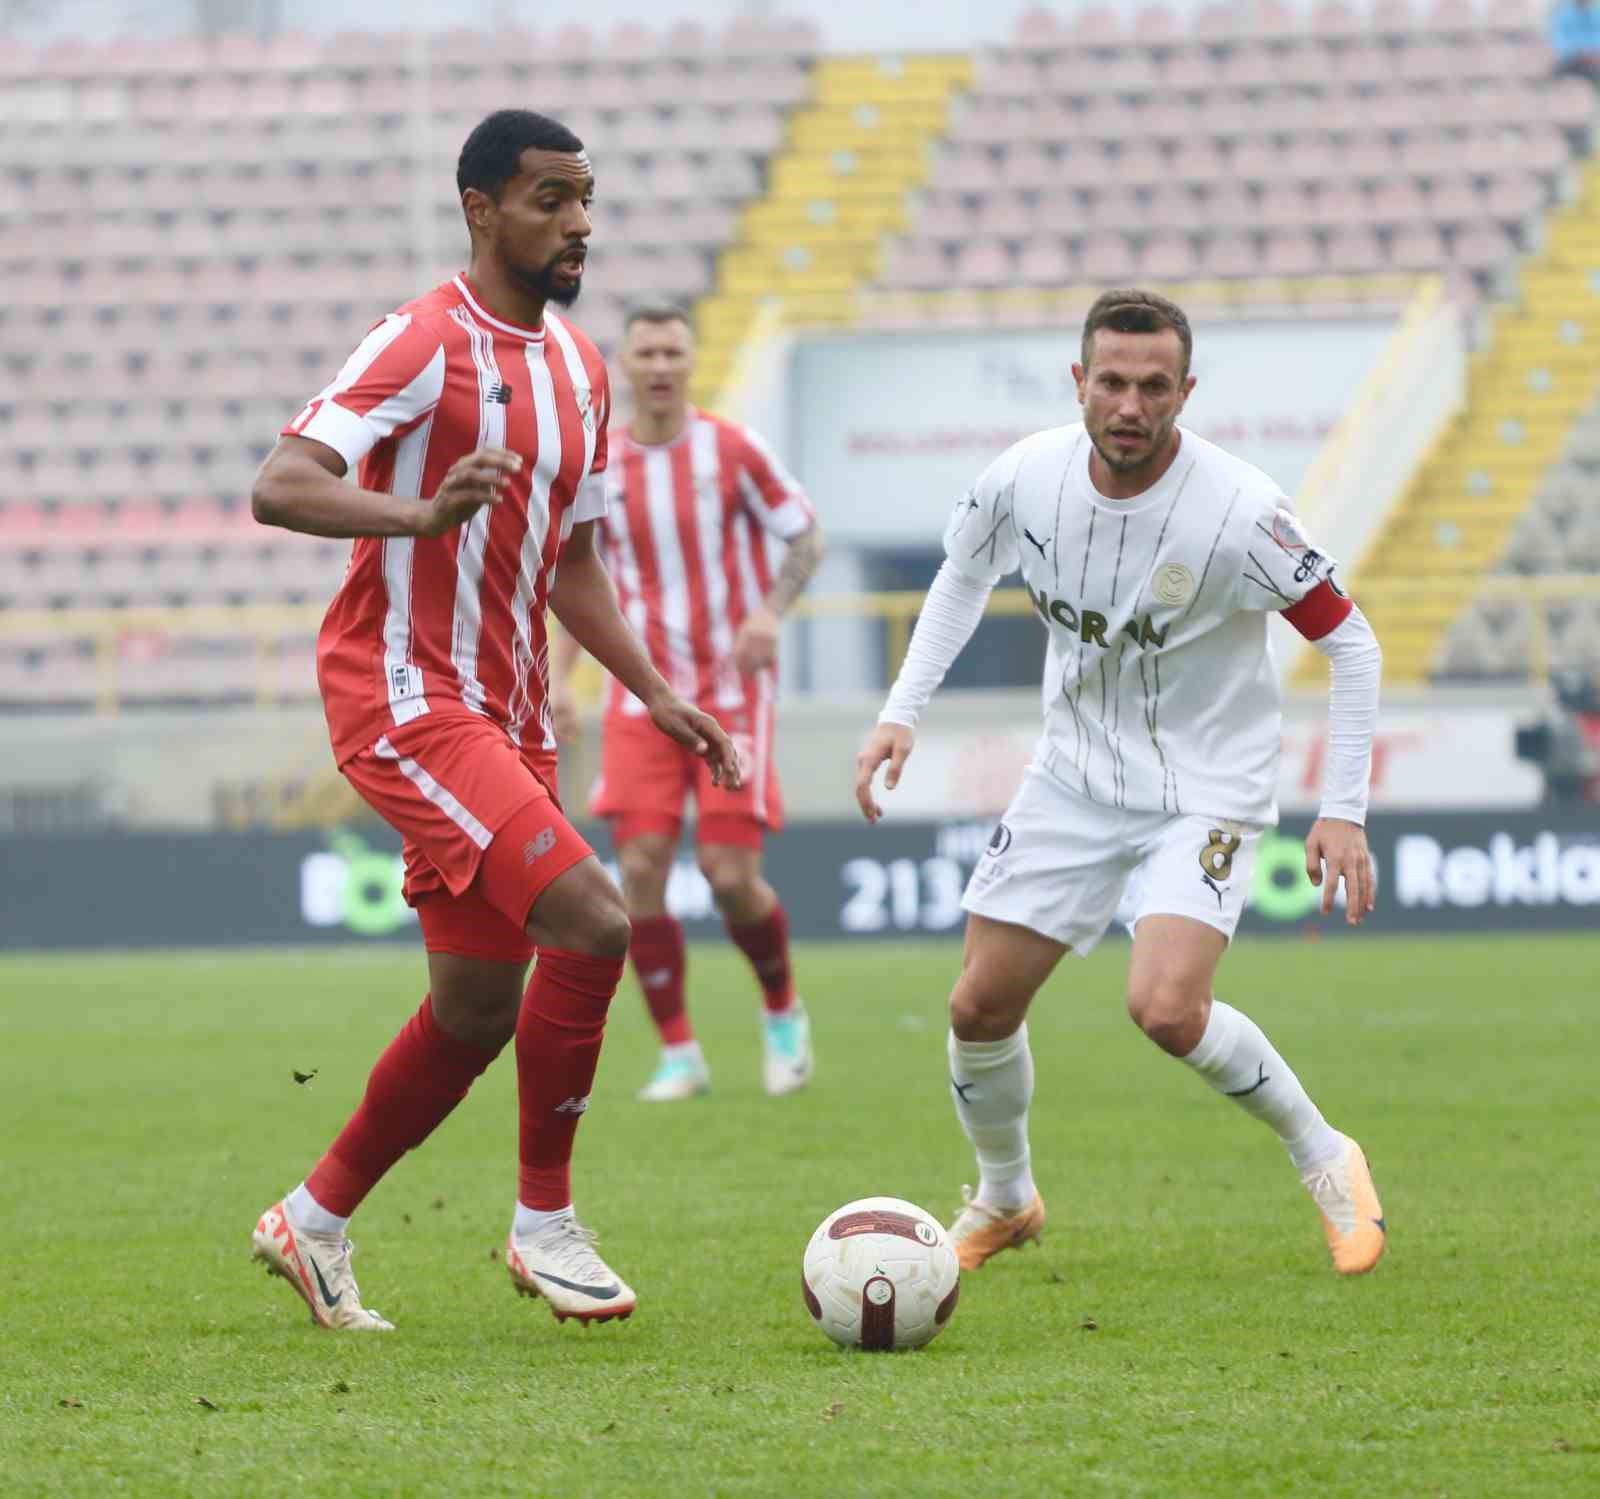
[(1287, 533), (1090, 625), (1173, 584), (586, 407)]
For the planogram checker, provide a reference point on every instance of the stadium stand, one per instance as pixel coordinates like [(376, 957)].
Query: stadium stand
[(193, 233)]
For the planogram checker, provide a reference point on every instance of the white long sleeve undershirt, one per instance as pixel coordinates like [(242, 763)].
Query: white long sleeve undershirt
[(955, 604), (949, 615), (1356, 663)]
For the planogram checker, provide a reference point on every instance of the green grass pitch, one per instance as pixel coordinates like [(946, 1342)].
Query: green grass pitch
[(1179, 1333)]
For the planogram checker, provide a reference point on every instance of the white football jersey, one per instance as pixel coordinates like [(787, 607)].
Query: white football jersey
[(1160, 692)]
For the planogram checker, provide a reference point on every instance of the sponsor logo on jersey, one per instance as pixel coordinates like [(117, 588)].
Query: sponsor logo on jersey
[(1090, 626)]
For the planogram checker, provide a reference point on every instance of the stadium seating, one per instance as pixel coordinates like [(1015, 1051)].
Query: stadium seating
[(1288, 150), (193, 234)]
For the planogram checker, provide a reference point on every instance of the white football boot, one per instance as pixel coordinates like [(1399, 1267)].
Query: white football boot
[(559, 1263), (318, 1267), (787, 1061), (681, 1073)]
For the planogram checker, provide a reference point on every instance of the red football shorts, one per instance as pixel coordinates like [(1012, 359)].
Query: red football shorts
[(484, 833), (646, 778)]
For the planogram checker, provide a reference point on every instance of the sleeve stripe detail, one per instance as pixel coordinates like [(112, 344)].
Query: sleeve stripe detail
[(1321, 611)]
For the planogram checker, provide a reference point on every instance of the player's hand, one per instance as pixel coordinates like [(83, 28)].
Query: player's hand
[(1337, 850), (476, 480), (888, 741), (701, 733), (755, 647), (564, 712)]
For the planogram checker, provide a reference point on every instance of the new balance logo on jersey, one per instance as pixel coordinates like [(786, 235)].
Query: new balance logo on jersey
[(656, 978), (1090, 626), (537, 847), (1034, 540), (573, 1105), (500, 393)]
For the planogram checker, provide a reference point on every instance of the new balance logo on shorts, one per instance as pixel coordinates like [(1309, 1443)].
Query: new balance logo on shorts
[(573, 1105), (536, 848)]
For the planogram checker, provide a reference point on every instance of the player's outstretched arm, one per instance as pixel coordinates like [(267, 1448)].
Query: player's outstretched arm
[(888, 741), (1336, 847), (950, 613), (585, 602), (302, 487)]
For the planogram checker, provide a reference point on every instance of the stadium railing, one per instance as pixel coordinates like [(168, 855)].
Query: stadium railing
[(264, 674)]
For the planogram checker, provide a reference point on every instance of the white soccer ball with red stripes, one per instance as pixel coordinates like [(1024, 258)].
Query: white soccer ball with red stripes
[(880, 1274)]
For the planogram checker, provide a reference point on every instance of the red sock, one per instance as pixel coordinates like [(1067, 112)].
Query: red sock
[(766, 944), (559, 1031), (659, 959), (420, 1078)]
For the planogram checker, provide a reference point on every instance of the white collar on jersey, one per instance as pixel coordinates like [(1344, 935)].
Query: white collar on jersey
[(531, 335)]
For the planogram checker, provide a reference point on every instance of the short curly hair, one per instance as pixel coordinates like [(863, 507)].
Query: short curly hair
[(492, 155)]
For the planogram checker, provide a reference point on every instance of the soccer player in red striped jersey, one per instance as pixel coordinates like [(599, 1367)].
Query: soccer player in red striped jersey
[(694, 498), (463, 446)]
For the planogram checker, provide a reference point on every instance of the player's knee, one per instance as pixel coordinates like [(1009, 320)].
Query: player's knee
[(734, 875), (645, 867), (983, 1012), (608, 931), (1170, 1012)]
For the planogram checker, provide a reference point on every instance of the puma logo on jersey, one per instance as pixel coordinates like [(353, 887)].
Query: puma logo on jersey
[(1034, 540), (1090, 626)]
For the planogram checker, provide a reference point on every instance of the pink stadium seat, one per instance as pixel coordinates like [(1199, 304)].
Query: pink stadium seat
[(1200, 161), (1514, 15), (1155, 24), (1168, 205), (1567, 102), (1046, 261), (1224, 21), (1107, 257), (1038, 26), (1142, 164), (1418, 247), (1004, 75), (1454, 200), (1097, 26), (1453, 16), (945, 216), (1354, 251), (983, 263), (21, 523), (1332, 20), (914, 266), (1169, 257), (1514, 198), (1285, 205), (1064, 212), (1232, 253), (1029, 166), (1482, 247), (1291, 252), (1397, 202), (1189, 72)]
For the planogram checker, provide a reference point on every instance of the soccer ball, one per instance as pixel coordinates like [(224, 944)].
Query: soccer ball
[(880, 1274)]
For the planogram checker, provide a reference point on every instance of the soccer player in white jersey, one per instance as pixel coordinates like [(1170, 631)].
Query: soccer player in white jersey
[(1153, 558)]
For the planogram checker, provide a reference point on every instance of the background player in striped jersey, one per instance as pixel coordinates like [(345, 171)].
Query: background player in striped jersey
[(693, 498), (1153, 558), (475, 421)]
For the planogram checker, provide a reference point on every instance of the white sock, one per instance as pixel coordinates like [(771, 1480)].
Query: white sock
[(526, 1221), (686, 1051), (1238, 1060), (993, 1086), (309, 1215)]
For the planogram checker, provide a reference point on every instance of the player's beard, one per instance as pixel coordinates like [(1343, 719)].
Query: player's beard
[(1118, 463), (542, 283)]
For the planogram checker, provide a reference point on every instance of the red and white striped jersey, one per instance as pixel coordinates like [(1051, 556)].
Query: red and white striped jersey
[(684, 545), (456, 624)]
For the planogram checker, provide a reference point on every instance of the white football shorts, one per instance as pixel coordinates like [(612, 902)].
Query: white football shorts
[(1067, 867)]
